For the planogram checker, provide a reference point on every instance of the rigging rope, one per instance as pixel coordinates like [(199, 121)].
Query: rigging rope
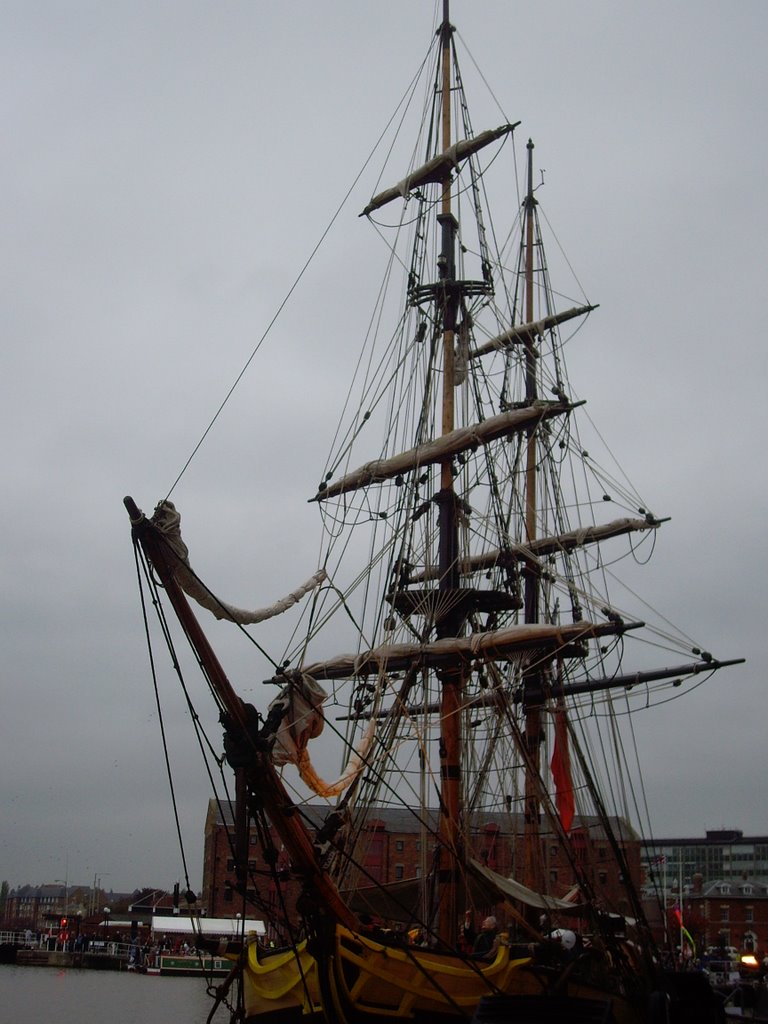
[(293, 287), (160, 715)]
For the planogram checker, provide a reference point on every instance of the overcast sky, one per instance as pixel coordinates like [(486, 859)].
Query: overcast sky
[(167, 169)]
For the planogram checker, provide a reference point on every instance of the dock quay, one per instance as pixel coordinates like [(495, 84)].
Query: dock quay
[(15, 948)]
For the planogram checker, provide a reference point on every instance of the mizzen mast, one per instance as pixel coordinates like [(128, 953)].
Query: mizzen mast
[(532, 679)]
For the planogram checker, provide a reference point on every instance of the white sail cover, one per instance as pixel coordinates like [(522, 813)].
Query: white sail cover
[(301, 703), (168, 520), (515, 890), (396, 900)]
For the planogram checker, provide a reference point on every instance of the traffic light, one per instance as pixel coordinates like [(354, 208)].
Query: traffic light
[(63, 923)]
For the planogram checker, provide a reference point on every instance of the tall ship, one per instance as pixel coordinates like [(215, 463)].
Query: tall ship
[(457, 642)]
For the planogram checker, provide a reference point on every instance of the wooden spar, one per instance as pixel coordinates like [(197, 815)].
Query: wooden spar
[(496, 697), (453, 652), (439, 168), (451, 679), (444, 448), (536, 549), (532, 865), (261, 775), (528, 333), (627, 681)]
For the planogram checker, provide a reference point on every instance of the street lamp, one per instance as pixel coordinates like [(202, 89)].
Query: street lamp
[(93, 898), (65, 883), (107, 912)]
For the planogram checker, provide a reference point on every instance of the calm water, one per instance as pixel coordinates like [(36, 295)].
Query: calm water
[(40, 995)]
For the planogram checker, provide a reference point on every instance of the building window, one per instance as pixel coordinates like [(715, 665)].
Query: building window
[(602, 877), (399, 871), (553, 851), (399, 845), (553, 876), (749, 915), (724, 916)]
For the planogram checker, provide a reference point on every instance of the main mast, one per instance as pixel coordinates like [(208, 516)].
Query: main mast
[(452, 680)]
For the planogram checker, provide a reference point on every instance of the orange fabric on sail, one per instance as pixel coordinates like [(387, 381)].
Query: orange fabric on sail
[(561, 771)]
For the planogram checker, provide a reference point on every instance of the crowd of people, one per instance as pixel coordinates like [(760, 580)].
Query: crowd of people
[(481, 944)]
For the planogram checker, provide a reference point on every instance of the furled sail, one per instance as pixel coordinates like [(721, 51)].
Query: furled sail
[(439, 168), (522, 333), (535, 549), (444, 447), (501, 644)]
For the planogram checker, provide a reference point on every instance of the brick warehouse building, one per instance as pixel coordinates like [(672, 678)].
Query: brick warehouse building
[(391, 850), (722, 912), (728, 913)]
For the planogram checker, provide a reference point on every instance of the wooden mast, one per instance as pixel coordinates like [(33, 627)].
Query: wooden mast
[(532, 869), (447, 256), (452, 681)]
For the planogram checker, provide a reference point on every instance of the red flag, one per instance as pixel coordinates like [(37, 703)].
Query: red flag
[(561, 771)]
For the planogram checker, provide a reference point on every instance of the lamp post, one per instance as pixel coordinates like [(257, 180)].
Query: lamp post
[(107, 912), (65, 883), (63, 918), (93, 900)]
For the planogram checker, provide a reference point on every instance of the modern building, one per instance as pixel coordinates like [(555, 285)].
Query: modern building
[(722, 854)]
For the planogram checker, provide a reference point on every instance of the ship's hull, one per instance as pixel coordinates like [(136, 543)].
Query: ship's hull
[(357, 980)]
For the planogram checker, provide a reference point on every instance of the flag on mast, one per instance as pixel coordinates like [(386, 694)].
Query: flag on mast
[(560, 766)]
